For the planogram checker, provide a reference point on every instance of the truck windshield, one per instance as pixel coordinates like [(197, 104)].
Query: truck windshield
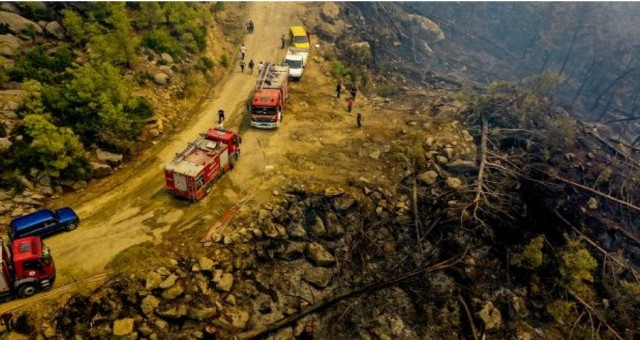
[(300, 39), (293, 63), (264, 110)]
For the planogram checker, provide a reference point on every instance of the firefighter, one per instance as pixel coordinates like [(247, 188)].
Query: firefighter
[(354, 91), (338, 89), (260, 67), (251, 64), (241, 66), (250, 26), (349, 105), (220, 116), (283, 40), (359, 120)]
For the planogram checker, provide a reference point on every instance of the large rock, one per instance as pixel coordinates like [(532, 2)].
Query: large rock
[(11, 42), (5, 144), (149, 304), (344, 203), (161, 78), (319, 255), (110, 158), (152, 280), (319, 277), (317, 228), (225, 282), (294, 250), (99, 170), (330, 12), (201, 313), (427, 29), (173, 313), (167, 58), (18, 24), (173, 292), (205, 263), (235, 318), (123, 327), (490, 316), (453, 182), (54, 29), (428, 177), (168, 282)]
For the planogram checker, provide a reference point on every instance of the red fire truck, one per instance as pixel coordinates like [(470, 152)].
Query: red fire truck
[(27, 267), (269, 99), (193, 171)]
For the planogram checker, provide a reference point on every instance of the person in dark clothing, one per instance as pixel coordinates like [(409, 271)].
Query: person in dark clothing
[(359, 120), (241, 66), (283, 40), (354, 91), (250, 26), (220, 116), (251, 64), (338, 89)]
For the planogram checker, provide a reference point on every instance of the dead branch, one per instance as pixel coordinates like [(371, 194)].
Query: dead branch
[(595, 312), (617, 153), (483, 157), (608, 197), (330, 300), (416, 215), (469, 317)]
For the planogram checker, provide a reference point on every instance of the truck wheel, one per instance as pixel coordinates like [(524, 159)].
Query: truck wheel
[(72, 226), (232, 161), (27, 290)]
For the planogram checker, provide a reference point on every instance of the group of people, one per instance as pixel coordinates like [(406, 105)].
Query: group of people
[(249, 26), (353, 91), (251, 64)]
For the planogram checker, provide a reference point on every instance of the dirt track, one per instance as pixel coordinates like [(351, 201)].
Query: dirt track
[(132, 207)]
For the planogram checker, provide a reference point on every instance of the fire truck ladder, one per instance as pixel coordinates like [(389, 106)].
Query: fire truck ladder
[(264, 76), (181, 155)]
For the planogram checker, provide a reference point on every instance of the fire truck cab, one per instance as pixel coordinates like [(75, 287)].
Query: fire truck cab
[(270, 97), (27, 267)]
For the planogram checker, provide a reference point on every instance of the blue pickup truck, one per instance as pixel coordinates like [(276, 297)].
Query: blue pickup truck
[(43, 222)]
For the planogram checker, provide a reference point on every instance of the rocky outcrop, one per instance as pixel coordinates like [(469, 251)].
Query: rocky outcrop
[(54, 29), (18, 24), (110, 158)]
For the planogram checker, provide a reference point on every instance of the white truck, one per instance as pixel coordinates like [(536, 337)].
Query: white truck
[(296, 59)]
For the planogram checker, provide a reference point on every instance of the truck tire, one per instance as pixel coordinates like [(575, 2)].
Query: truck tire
[(232, 161), (72, 226), (27, 290)]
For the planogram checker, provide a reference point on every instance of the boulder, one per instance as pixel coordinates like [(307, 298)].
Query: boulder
[(18, 24), (440, 159), (330, 12), (123, 327), (173, 313), (235, 318), (5, 144), (453, 182), (168, 282), (466, 136), (55, 29), (317, 228), (201, 313), (461, 166), (112, 159), (294, 250), (149, 304), (9, 7), (163, 271), (17, 212), (319, 277), (99, 170), (426, 29), (173, 292), (10, 41), (344, 203), (296, 231), (375, 154), (166, 57), (225, 282), (490, 316), (319, 255), (428, 177), (205, 263), (161, 78)]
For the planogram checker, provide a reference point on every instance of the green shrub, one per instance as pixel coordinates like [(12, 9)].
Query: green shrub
[(8, 181), (205, 64), (224, 60), (560, 310), (139, 107), (162, 42), (576, 265), (217, 7), (78, 168), (531, 257)]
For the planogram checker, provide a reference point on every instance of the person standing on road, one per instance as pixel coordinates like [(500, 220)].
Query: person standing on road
[(354, 91), (283, 40), (243, 51), (251, 66), (260, 67), (349, 104), (220, 116), (359, 120), (241, 66), (338, 89), (250, 26)]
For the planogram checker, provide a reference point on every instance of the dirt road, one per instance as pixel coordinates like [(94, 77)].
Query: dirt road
[(132, 207)]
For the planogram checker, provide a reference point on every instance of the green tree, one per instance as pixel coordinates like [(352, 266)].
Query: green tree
[(50, 147), (121, 34), (150, 15), (73, 24)]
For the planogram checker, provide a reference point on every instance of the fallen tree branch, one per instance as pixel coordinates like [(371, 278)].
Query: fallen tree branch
[(595, 312), (609, 197), (617, 153), (468, 313), (330, 300)]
